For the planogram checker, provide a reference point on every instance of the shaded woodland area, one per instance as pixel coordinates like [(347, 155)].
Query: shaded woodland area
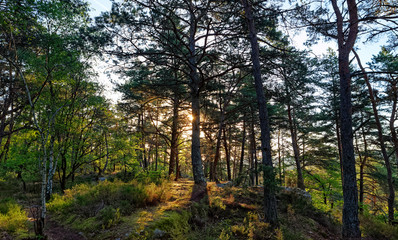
[(225, 129)]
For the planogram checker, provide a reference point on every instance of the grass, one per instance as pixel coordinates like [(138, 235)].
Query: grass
[(91, 208), (162, 210), (13, 218)]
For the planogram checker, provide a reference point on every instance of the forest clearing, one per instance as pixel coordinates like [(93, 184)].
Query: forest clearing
[(198, 119)]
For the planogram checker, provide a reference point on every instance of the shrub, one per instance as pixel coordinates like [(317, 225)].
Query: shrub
[(105, 199), (376, 229), (175, 224), (12, 216), (252, 228), (59, 203), (109, 217)]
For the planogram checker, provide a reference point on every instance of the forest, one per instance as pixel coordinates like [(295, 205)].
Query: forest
[(224, 128)]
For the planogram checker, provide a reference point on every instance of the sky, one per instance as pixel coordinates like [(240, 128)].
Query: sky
[(365, 51)]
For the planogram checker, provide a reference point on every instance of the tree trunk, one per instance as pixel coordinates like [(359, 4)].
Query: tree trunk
[(392, 119), (213, 176), (300, 180), (337, 126), (227, 155), (178, 171), (174, 136), (107, 153), (280, 158), (252, 151), (242, 153), (51, 169), (270, 208), (196, 157), (350, 228), (362, 171), (372, 97)]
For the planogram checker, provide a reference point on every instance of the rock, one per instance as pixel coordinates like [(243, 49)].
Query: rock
[(223, 185), (297, 191), (158, 233)]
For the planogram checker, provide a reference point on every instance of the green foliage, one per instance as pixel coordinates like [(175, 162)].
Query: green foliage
[(109, 217), (88, 207), (176, 224), (224, 235), (12, 217), (376, 229), (252, 228)]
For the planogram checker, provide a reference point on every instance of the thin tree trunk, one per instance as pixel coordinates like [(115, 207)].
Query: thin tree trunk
[(279, 158), (392, 119), (242, 153), (51, 169), (178, 171), (391, 195), (107, 153), (300, 180), (252, 150), (227, 155), (337, 126), (174, 136), (362, 171), (213, 177), (270, 208)]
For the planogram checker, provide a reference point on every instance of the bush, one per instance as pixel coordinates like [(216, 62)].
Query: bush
[(109, 217), (376, 229), (59, 203), (12, 216), (88, 201)]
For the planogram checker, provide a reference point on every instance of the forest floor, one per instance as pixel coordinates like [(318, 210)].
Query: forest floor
[(231, 213), (226, 212)]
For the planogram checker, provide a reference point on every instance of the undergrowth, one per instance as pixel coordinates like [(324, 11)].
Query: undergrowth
[(13, 219), (376, 229), (87, 207)]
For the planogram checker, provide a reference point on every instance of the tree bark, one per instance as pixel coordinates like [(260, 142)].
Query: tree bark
[(270, 207), (350, 192), (174, 136), (196, 157), (350, 228)]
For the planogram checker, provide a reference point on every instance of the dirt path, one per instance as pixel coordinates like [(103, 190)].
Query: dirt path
[(55, 231)]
